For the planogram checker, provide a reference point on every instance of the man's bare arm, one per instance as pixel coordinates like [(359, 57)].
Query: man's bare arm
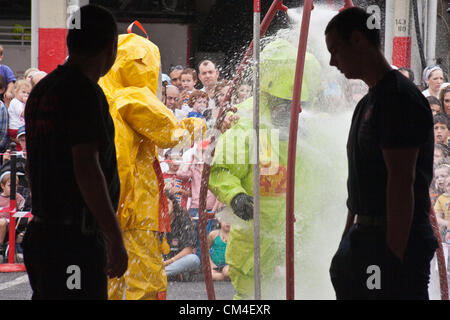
[(92, 184), (401, 167)]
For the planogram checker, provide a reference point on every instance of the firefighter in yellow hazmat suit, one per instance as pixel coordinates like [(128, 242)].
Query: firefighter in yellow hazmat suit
[(142, 124)]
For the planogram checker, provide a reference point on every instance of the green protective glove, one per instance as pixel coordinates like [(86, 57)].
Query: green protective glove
[(242, 205)]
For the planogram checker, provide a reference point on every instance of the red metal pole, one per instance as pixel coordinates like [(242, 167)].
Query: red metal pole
[(440, 257), (292, 148), (276, 5)]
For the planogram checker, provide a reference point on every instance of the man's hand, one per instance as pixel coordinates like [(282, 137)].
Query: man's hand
[(242, 205), (117, 258)]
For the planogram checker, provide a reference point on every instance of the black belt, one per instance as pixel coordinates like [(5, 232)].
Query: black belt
[(369, 221)]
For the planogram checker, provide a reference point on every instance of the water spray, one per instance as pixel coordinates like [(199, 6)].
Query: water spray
[(276, 6)]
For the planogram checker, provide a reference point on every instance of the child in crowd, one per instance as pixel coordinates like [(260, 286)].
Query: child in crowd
[(441, 128), (242, 93), (10, 79), (16, 108), (435, 105), (188, 81), (5, 184), (438, 185), (217, 244), (4, 138), (441, 153), (198, 101), (442, 210), (179, 187), (193, 171)]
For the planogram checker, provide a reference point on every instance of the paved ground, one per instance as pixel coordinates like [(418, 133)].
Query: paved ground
[(14, 286)]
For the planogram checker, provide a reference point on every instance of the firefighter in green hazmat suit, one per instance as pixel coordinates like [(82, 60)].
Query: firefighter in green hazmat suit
[(231, 178)]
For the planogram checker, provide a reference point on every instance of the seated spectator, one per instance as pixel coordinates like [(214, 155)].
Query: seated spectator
[(4, 137), (198, 101), (182, 241), (407, 73), (435, 105), (442, 210), (5, 184), (433, 77), (179, 187), (10, 79), (444, 98), (16, 109), (441, 128), (172, 97), (217, 244)]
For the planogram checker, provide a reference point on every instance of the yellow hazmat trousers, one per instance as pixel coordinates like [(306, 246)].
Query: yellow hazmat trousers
[(142, 123)]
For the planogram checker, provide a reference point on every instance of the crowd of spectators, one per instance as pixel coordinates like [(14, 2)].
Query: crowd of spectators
[(200, 93), (14, 92)]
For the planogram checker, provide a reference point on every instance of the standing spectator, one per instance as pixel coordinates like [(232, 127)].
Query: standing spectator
[(441, 171), (4, 137), (208, 75), (16, 108), (390, 154), (70, 135), (10, 78), (435, 105), (441, 128), (175, 76), (182, 241), (444, 98), (178, 187), (172, 97), (433, 77)]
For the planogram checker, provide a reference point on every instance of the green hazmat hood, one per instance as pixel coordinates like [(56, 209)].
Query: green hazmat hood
[(277, 67)]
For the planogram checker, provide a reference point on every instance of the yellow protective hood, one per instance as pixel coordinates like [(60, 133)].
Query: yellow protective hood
[(137, 63)]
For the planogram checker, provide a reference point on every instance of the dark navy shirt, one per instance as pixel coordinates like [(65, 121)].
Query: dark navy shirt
[(394, 114)]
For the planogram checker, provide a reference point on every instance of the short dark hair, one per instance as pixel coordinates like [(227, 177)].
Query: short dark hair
[(441, 118), (354, 19), (433, 100), (97, 30), (409, 71)]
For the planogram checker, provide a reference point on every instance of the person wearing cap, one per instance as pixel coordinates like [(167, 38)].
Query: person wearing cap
[(231, 178), (433, 77), (388, 241)]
